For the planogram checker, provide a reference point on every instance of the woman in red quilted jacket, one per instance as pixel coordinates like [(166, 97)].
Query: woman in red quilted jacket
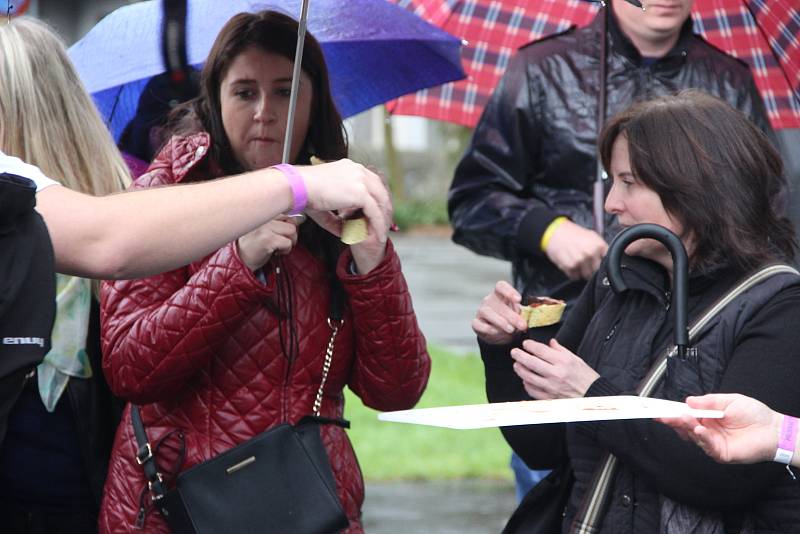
[(229, 346)]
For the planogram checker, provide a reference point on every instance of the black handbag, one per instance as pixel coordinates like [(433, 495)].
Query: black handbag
[(279, 481), (542, 509)]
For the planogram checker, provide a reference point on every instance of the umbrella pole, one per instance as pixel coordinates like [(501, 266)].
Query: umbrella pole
[(598, 187), (298, 62)]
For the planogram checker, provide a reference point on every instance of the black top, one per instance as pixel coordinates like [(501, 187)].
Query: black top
[(750, 349)]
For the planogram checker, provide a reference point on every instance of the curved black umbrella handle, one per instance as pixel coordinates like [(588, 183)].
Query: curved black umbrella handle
[(680, 273)]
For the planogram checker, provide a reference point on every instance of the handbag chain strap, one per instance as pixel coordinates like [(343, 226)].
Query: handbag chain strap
[(335, 324), (587, 521)]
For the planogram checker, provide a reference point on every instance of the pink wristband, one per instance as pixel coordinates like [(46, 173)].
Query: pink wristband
[(786, 440), (299, 192)]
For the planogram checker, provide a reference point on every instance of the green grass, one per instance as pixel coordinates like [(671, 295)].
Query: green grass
[(395, 451), (409, 213)]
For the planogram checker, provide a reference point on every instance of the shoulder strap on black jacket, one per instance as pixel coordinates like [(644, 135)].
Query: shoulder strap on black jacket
[(590, 514)]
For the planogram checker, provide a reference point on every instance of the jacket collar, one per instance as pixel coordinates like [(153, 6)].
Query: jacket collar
[(644, 275), (186, 153), (622, 45)]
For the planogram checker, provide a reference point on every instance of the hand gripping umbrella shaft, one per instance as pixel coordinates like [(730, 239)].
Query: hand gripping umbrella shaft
[(680, 273)]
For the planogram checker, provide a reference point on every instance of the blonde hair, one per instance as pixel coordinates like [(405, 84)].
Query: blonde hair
[(46, 116)]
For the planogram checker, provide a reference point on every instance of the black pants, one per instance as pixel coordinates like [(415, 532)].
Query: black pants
[(17, 520)]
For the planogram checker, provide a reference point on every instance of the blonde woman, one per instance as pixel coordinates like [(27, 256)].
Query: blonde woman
[(54, 479), (51, 462)]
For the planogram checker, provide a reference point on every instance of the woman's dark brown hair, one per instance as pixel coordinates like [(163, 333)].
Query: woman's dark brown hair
[(715, 172), (276, 33)]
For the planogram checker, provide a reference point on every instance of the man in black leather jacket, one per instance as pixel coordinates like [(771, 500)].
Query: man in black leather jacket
[(523, 190), (528, 173)]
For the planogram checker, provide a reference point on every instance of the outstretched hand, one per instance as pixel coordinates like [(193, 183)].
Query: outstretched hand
[(747, 433), (552, 371)]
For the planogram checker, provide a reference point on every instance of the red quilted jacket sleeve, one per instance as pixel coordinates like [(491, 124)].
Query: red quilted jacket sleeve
[(158, 331), (392, 365)]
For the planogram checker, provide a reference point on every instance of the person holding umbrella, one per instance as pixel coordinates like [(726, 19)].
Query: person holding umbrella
[(694, 165), (528, 189), (238, 339), (52, 463)]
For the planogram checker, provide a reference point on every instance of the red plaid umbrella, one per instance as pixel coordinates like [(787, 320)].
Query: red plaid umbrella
[(764, 33)]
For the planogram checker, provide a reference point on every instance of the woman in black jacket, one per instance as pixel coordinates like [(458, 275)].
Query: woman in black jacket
[(698, 167)]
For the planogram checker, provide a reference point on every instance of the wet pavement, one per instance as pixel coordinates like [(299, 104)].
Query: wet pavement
[(438, 507), (447, 283)]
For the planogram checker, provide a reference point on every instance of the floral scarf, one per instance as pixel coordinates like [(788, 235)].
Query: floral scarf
[(67, 357)]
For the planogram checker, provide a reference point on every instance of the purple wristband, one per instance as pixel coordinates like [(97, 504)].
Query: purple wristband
[(299, 192), (786, 440)]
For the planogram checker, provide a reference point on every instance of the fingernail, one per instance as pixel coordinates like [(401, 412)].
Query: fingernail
[(394, 228)]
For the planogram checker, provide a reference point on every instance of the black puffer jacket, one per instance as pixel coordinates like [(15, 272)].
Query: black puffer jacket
[(749, 347), (533, 153)]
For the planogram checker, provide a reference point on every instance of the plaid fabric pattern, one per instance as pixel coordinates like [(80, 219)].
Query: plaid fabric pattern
[(494, 30), (764, 33)]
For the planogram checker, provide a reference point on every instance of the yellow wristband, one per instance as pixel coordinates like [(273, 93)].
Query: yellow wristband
[(551, 229)]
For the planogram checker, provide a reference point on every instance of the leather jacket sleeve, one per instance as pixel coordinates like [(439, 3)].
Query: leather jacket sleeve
[(490, 201), (752, 105)]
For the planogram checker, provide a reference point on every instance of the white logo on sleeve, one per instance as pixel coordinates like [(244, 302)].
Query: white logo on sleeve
[(24, 341)]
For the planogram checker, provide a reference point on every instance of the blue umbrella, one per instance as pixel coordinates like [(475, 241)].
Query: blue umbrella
[(375, 50)]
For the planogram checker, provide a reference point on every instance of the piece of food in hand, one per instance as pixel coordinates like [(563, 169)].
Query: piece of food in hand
[(542, 311), (354, 228)]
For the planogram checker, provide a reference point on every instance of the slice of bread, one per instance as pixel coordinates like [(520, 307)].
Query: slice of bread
[(542, 311), (354, 231)]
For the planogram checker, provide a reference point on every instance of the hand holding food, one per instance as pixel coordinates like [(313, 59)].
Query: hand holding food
[(354, 228), (498, 317)]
